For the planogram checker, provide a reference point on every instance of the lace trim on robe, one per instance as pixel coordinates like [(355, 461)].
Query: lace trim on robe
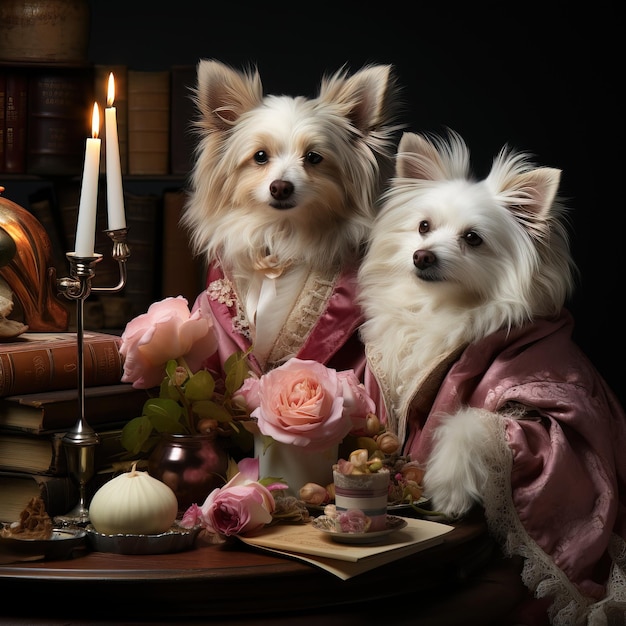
[(223, 291), (539, 572)]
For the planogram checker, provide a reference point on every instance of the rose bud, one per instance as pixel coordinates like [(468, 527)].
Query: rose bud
[(312, 493), (374, 465), (207, 425), (372, 424), (388, 442), (331, 491), (180, 376), (413, 489), (359, 459), (413, 473)]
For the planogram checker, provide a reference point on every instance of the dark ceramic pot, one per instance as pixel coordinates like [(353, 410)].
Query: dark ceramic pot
[(191, 465)]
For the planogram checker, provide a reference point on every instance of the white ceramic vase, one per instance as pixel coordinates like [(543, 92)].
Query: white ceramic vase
[(294, 464)]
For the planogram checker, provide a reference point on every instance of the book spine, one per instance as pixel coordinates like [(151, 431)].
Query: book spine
[(143, 219), (181, 272), (47, 369), (42, 204), (16, 122), (182, 140), (3, 110), (59, 493), (148, 122), (59, 120)]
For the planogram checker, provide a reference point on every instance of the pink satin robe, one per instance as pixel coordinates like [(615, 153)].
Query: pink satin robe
[(568, 478), (332, 340)]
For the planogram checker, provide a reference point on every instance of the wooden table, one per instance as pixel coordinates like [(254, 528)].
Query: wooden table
[(234, 583)]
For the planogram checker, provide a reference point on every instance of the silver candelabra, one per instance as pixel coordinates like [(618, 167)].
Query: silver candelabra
[(81, 439)]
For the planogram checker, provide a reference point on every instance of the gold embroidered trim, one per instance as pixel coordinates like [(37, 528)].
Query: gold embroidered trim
[(307, 309)]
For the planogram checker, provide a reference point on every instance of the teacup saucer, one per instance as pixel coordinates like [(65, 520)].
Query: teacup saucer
[(327, 525)]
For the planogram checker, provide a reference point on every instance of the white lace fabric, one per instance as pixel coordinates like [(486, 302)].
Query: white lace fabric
[(539, 573)]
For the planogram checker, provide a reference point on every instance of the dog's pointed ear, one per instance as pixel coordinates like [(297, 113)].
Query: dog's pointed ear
[(223, 94), (419, 158), (534, 192), (528, 191), (367, 97)]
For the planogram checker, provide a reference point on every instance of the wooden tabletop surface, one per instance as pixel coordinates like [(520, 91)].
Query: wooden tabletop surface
[(229, 580)]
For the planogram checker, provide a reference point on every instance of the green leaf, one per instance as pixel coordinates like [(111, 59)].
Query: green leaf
[(167, 390), (150, 443), (270, 480), (162, 407), (164, 415), (200, 386), (267, 442), (135, 434), (207, 409), (237, 370)]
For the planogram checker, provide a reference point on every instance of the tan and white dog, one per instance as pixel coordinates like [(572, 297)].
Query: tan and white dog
[(283, 194)]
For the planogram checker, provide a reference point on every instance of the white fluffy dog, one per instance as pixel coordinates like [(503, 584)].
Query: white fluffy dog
[(463, 288), (452, 260)]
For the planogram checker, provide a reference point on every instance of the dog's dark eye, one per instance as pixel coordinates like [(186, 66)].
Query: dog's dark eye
[(261, 157), (472, 239), (314, 158), (424, 227)]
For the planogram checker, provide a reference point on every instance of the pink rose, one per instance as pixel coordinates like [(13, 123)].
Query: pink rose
[(241, 506), (301, 403), (248, 394), (353, 521), (357, 404), (166, 331)]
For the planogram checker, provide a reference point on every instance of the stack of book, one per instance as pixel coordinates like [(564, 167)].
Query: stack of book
[(39, 404)]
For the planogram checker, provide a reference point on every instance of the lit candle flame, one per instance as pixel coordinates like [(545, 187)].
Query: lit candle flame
[(95, 121), (111, 91)]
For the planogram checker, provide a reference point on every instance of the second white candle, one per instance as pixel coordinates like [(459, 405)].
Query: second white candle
[(87, 209), (115, 193)]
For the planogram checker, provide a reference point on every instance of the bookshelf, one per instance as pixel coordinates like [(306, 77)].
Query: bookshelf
[(575, 122), (53, 72)]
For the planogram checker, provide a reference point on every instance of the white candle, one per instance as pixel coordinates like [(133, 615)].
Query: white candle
[(86, 226), (115, 193)]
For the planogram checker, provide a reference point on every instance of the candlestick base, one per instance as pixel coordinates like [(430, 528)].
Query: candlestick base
[(79, 445)]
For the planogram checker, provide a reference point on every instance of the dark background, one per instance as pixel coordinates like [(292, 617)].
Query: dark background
[(540, 76)]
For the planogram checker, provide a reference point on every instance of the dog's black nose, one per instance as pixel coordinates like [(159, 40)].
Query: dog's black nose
[(423, 259), (281, 189)]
